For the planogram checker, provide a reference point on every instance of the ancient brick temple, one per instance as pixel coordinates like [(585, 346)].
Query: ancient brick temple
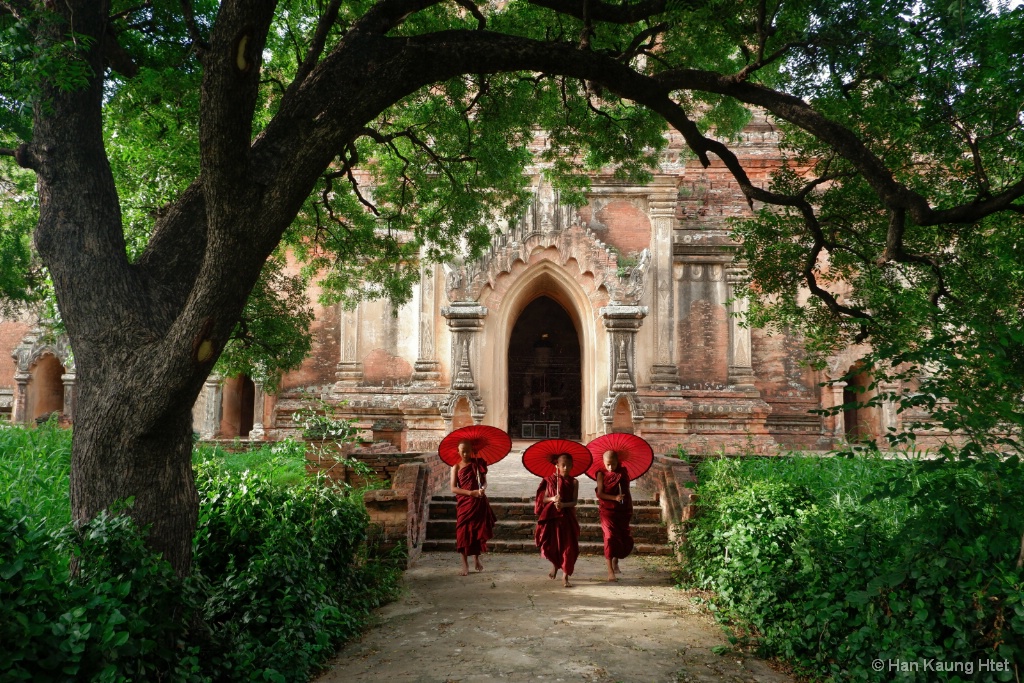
[(618, 316)]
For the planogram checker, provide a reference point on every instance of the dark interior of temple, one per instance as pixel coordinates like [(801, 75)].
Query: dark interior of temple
[(544, 375)]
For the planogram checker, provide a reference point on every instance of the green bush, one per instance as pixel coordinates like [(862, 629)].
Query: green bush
[(277, 562), (123, 616), (833, 563), (281, 575)]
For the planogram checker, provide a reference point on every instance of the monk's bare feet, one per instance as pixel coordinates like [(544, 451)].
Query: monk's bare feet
[(464, 571), (565, 581), (552, 574), (612, 577), (478, 566), (615, 567)]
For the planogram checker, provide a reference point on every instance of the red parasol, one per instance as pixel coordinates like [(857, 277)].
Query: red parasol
[(540, 458), (635, 454), (490, 444)]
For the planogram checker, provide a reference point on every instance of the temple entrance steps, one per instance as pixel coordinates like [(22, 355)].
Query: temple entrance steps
[(513, 532)]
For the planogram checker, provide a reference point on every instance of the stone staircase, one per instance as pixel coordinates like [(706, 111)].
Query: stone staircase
[(513, 532)]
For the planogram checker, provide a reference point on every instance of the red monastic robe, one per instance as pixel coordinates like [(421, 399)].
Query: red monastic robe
[(615, 517), (557, 533), (474, 519)]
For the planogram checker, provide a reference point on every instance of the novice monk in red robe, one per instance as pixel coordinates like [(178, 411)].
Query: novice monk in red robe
[(558, 533), (474, 519), (615, 505)]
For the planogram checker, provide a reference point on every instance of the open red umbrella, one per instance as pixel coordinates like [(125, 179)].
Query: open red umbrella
[(489, 444), (635, 454), (540, 457)]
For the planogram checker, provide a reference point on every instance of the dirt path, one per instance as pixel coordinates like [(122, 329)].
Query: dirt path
[(512, 623)]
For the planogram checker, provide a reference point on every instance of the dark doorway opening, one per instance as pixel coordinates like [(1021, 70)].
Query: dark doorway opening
[(544, 373)]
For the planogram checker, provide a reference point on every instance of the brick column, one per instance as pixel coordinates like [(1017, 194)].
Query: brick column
[(888, 417), (835, 392)]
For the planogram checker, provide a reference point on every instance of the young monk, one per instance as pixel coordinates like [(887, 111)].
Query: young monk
[(474, 519), (615, 505), (558, 532)]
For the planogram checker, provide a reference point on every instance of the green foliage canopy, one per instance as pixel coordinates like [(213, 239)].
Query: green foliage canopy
[(900, 209)]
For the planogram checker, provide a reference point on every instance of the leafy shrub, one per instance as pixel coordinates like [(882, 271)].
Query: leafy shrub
[(833, 563), (281, 576), (276, 562), (123, 616)]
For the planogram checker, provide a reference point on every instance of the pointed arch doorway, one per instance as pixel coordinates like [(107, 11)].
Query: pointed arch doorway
[(545, 376)]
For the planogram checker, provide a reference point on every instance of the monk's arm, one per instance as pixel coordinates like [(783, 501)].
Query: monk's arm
[(454, 484), (600, 489), (575, 495)]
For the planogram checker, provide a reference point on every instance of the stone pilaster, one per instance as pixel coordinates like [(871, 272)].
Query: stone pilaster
[(21, 397), (838, 420), (425, 369), (664, 373), (349, 370), (258, 404), (212, 395), (68, 378), (888, 416), (741, 371)]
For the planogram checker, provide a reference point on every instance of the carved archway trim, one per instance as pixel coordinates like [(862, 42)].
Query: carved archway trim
[(545, 277)]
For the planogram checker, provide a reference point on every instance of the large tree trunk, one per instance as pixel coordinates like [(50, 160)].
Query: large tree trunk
[(118, 452)]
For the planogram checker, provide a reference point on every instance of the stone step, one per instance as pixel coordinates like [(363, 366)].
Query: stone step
[(522, 509), (520, 546), (523, 530)]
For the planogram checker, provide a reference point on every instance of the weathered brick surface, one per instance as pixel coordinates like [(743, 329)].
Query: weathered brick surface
[(619, 223), (384, 369)]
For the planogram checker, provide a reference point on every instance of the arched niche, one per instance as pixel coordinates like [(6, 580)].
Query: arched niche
[(544, 373), (45, 387)]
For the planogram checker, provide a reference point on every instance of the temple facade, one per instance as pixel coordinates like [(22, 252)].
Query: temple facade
[(619, 315)]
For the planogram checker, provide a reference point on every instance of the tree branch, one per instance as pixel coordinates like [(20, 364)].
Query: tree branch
[(469, 6), (612, 14), (193, 28), (316, 47), (893, 194)]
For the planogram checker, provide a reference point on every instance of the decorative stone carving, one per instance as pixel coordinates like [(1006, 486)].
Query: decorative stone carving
[(622, 323), (638, 276), (465, 320), (547, 224)]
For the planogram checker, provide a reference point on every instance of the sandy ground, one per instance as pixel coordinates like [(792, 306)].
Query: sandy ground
[(512, 623)]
